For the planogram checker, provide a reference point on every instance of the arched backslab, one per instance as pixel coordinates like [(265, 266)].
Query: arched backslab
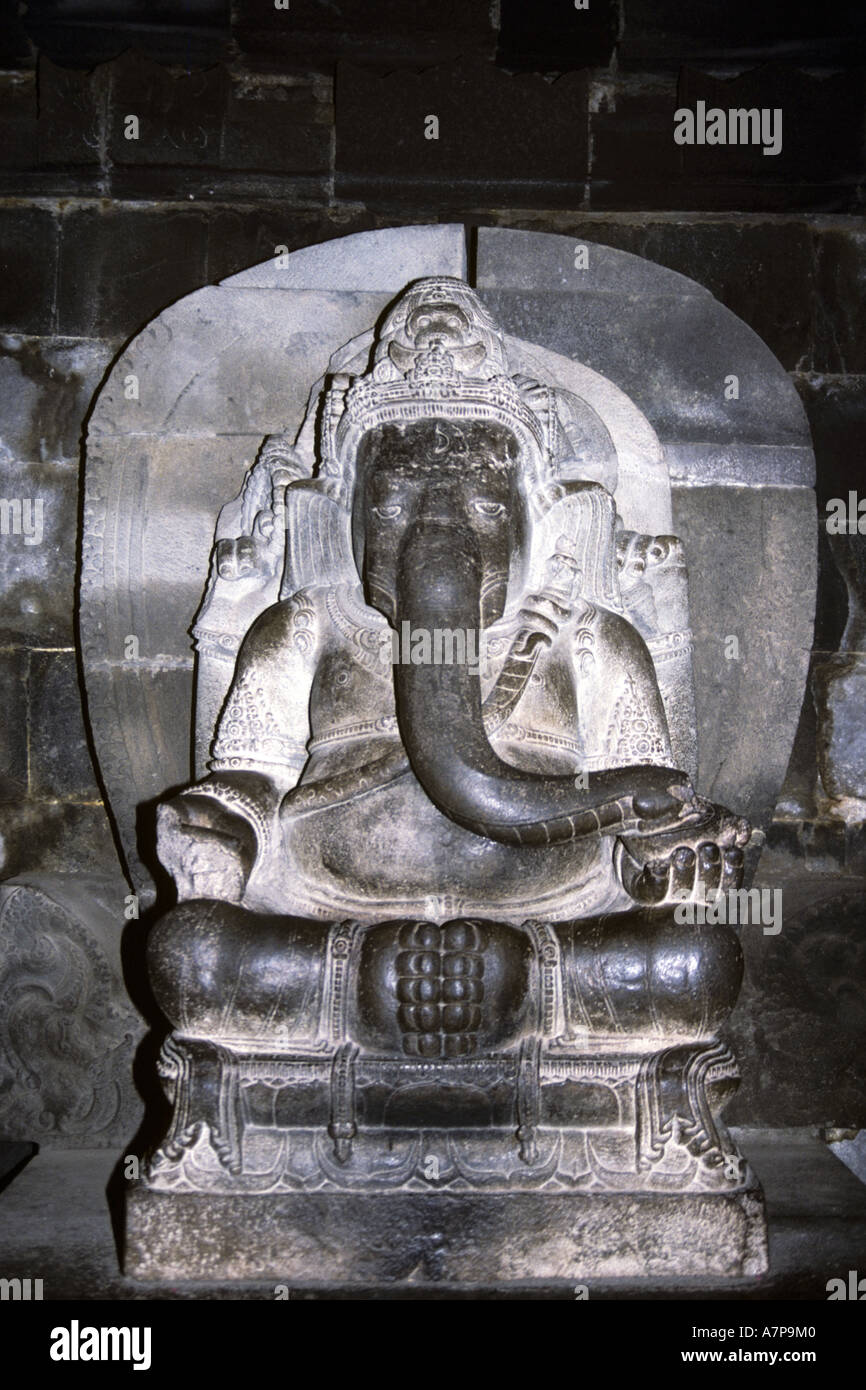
[(187, 405)]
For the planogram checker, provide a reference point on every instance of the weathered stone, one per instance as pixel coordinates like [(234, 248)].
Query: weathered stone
[(312, 36), (686, 330), (746, 539), (18, 108), (13, 730), (840, 278), (763, 273), (60, 764), (247, 383), (46, 385), (552, 37), (240, 239), (57, 837), (39, 519), (802, 1019), (495, 130), (661, 35), (381, 974), (72, 114), (27, 287), (119, 266), (180, 117), (281, 128), (810, 106), (367, 262), (68, 1032), (358, 1238)]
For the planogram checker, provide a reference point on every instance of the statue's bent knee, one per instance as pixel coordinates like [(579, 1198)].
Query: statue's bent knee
[(643, 973), (220, 971)]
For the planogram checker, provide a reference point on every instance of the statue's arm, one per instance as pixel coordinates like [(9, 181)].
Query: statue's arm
[(211, 835), (623, 723)]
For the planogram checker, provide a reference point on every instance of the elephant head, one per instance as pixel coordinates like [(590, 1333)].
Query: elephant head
[(446, 454)]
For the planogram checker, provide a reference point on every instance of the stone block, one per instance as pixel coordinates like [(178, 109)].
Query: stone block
[(18, 114), (763, 273), (820, 130), (801, 1019), (840, 301), (29, 237), (120, 266), (72, 114), (632, 133), (85, 34), (180, 117), (552, 37), (240, 240), (367, 261), (311, 36), (661, 34), (508, 259), (152, 698), (13, 730), (836, 411), (37, 579), (60, 764), (46, 385), (685, 333), (738, 543), (464, 1239), (282, 128), (494, 129), (255, 380), (57, 837), (68, 1033), (840, 687)]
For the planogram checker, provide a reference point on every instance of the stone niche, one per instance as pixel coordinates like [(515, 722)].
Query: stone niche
[(330, 1131)]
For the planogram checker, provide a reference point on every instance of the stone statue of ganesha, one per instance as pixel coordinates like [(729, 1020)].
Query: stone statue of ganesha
[(426, 884)]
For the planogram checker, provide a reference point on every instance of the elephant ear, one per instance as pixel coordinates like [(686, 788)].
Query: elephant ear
[(318, 540), (581, 524)]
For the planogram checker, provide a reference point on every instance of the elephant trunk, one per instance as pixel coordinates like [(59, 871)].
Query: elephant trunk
[(440, 717)]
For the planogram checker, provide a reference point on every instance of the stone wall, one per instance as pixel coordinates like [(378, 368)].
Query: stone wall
[(260, 128)]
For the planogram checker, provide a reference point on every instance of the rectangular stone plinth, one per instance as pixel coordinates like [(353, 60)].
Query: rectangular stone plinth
[(465, 1238)]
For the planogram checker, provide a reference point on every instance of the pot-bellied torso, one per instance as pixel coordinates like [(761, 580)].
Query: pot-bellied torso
[(384, 848)]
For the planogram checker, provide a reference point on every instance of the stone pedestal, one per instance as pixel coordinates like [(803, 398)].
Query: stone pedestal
[(467, 1238)]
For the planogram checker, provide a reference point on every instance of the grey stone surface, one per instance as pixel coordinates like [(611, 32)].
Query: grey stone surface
[(741, 465), (671, 354), (68, 1031), (369, 261), (489, 882), (359, 1239), (840, 686), (262, 861), (800, 1025), (37, 573), (752, 557), (231, 359), (57, 1226), (59, 758), (13, 731), (46, 385), (508, 259)]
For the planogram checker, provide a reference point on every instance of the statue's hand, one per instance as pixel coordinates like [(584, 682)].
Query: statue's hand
[(207, 850), (699, 856)]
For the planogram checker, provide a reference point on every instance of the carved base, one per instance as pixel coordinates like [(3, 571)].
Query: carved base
[(467, 1238)]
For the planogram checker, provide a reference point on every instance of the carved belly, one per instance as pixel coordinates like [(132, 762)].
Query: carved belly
[(392, 851)]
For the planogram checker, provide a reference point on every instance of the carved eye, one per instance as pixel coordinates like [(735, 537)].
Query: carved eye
[(389, 512), (489, 508), (424, 321), (453, 321)]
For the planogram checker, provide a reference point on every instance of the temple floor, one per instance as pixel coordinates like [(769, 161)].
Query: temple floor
[(56, 1224)]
